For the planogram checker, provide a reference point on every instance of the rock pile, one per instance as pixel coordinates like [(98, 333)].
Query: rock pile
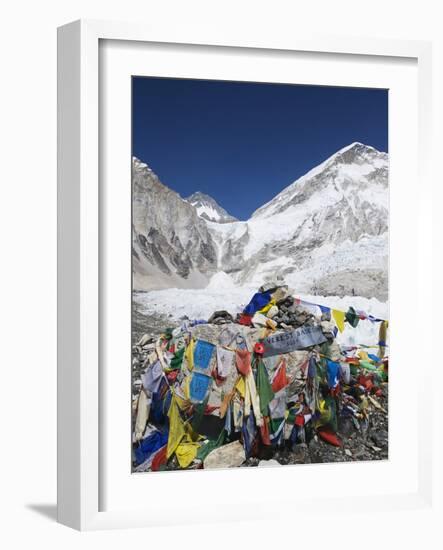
[(271, 385)]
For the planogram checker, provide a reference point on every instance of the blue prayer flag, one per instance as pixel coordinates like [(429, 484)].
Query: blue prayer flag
[(202, 354), (332, 372), (198, 387)]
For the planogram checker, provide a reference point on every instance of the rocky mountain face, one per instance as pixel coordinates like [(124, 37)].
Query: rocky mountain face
[(208, 208), (171, 245), (326, 233)]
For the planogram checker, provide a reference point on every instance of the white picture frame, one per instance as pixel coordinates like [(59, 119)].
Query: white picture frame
[(80, 434)]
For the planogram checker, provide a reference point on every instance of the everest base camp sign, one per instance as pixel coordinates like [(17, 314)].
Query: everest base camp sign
[(300, 338)]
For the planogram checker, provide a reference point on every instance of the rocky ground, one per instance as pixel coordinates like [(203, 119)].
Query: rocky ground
[(369, 442), (148, 324)]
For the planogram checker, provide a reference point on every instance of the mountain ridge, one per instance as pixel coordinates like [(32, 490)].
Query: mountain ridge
[(171, 244), (327, 232)]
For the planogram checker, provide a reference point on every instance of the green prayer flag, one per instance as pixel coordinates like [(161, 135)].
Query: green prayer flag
[(275, 424), (264, 388), (368, 366), (199, 411), (352, 317), (291, 416), (212, 444), (332, 405), (177, 360)]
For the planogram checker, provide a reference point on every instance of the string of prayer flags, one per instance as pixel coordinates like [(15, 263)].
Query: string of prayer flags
[(352, 314)]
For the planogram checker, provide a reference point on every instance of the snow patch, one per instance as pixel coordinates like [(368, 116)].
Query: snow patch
[(220, 281)]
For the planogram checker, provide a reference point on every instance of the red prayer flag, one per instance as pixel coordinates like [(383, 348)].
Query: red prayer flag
[(280, 379), (299, 420), (245, 319), (243, 361), (159, 459), (264, 431)]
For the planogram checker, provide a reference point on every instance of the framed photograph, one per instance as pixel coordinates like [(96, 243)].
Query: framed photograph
[(239, 225)]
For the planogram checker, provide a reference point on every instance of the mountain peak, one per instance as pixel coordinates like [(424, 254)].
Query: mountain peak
[(356, 164), (137, 163), (353, 145), (208, 208), (199, 195), (355, 149)]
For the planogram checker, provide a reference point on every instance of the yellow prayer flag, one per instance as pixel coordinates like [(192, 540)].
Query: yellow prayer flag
[(186, 391), (382, 334), (267, 307), (325, 413), (176, 428), (189, 354), (363, 355), (339, 318), (186, 452), (241, 386), (183, 404)]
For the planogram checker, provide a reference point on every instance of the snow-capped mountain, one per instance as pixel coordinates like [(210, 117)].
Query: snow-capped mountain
[(209, 209), (326, 233), (357, 173)]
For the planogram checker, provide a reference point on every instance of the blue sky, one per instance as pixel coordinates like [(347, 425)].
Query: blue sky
[(241, 142)]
